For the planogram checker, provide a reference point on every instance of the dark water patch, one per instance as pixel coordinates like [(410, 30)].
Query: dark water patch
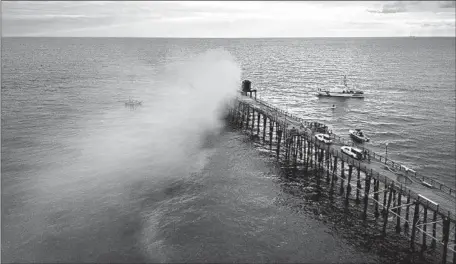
[(77, 236)]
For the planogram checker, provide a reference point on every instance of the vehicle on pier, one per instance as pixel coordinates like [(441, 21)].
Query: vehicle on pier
[(344, 92), (358, 135), (427, 184), (325, 138), (352, 152)]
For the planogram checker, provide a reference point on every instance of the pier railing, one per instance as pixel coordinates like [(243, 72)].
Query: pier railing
[(390, 163)]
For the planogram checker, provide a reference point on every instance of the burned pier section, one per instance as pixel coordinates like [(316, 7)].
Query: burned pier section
[(353, 184)]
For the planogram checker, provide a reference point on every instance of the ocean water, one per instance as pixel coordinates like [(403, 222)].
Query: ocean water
[(85, 179), (410, 87)]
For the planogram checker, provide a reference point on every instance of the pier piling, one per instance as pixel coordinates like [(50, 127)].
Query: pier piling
[(279, 135), (366, 195), (407, 213), (398, 211), (350, 170), (358, 184), (258, 124), (342, 180), (424, 246), (414, 223), (446, 238), (385, 217)]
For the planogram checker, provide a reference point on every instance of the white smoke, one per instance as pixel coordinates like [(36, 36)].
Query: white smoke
[(113, 161), (196, 92), (158, 141)]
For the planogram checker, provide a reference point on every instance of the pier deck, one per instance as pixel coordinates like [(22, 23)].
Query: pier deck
[(445, 200)]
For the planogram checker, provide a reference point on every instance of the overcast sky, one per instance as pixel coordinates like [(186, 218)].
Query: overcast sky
[(228, 19)]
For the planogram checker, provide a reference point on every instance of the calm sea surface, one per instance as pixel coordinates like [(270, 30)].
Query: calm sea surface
[(85, 179)]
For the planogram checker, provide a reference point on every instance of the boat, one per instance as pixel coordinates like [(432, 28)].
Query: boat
[(325, 138), (345, 92), (333, 107), (358, 135), (132, 102), (352, 152)]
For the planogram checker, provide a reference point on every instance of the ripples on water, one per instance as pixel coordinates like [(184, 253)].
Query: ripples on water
[(409, 86), (85, 179)]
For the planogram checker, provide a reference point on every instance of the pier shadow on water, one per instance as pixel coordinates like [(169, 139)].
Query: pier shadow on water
[(303, 192)]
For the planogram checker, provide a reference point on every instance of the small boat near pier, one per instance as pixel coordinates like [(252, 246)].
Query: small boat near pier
[(132, 103), (345, 92), (358, 135)]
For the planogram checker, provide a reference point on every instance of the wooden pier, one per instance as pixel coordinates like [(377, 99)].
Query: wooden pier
[(426, 216)]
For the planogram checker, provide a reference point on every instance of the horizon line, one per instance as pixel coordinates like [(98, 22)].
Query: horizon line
[(159, 37)]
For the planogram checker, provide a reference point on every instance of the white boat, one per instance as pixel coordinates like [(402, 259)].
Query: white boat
[(352, 152), (325, 138), (344, 92), (358, 135)]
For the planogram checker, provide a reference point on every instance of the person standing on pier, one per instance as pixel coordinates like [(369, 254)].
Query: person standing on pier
[(367, 155)]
